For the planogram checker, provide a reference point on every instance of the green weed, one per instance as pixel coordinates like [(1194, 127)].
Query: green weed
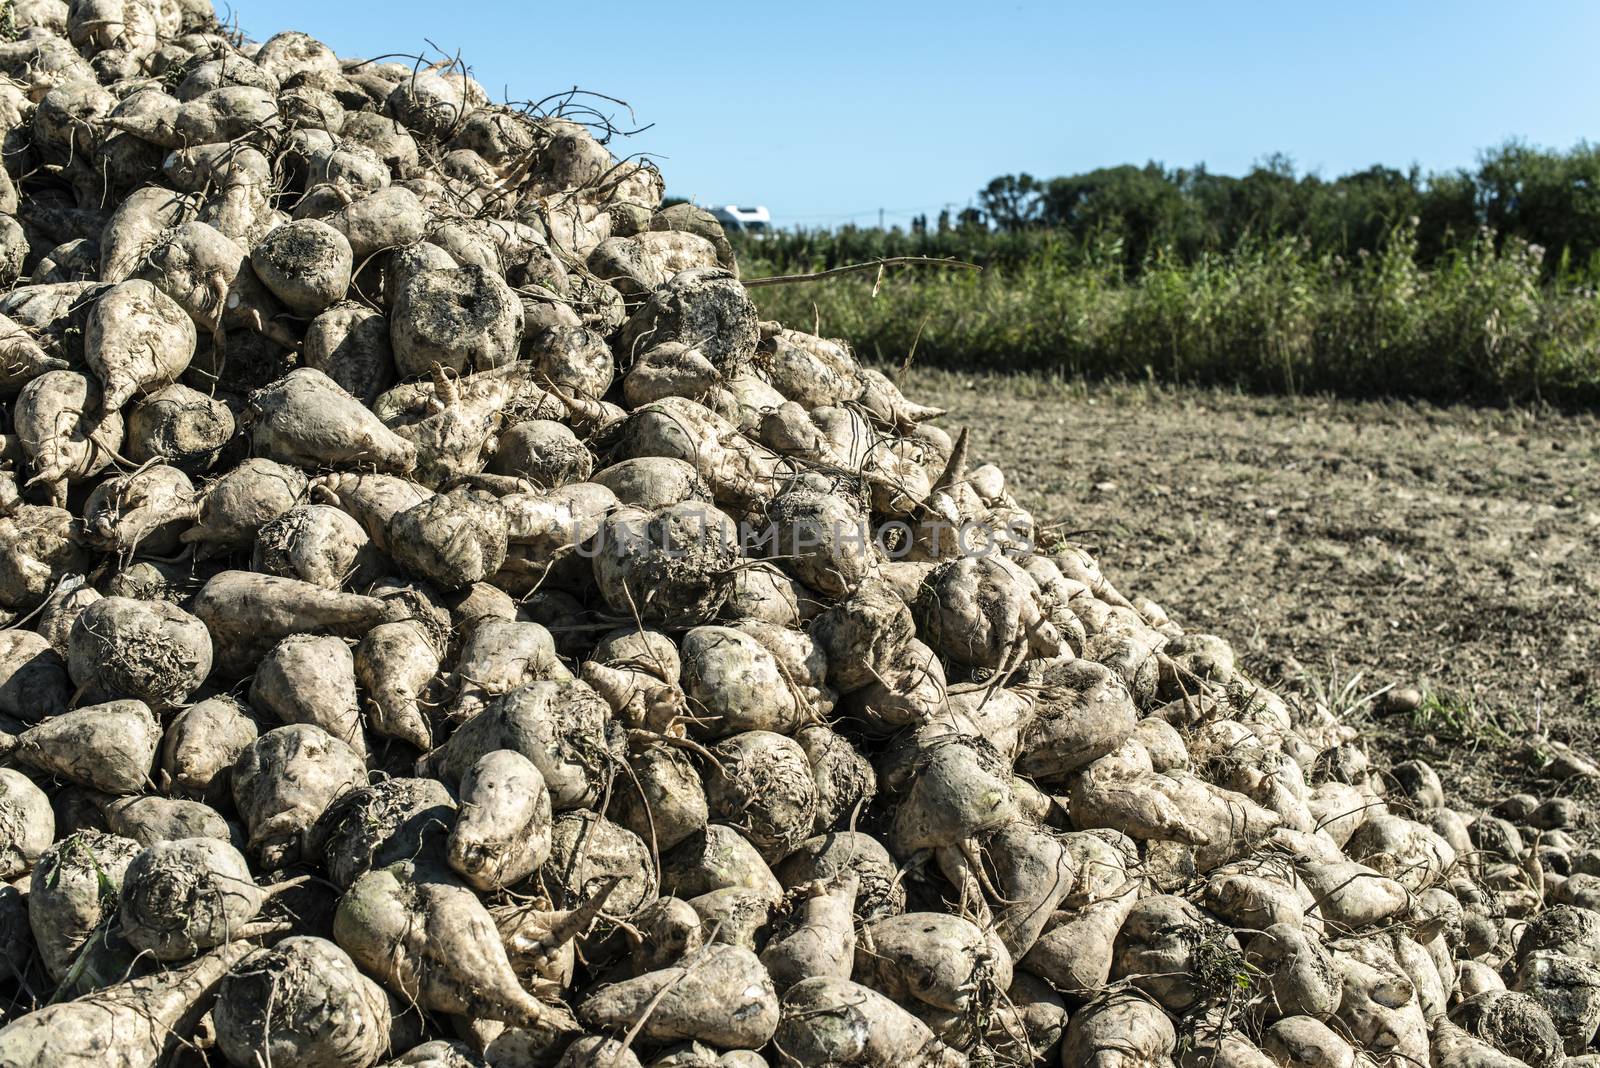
[(1343, 695), (1466, 719), (1480, 324)]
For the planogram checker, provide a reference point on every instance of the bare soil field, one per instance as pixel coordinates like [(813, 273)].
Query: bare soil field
[(1341, 547)]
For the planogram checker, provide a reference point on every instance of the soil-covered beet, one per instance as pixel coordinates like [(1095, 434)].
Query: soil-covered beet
[(149, 650), (463, 319), (306, 263)]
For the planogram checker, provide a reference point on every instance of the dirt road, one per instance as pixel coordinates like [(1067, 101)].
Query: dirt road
[(1456, 550)]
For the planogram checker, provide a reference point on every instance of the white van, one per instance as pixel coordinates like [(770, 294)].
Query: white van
[(734, 219)]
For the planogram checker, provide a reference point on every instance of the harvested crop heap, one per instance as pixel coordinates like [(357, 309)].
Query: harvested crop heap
[(447, 627)]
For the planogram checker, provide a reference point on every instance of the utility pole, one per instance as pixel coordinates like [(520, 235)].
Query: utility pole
[(880, 218)]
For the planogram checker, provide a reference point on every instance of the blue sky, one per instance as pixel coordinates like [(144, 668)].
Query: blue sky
[(827, 111)]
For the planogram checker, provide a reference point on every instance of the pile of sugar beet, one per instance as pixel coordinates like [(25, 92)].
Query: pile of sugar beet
[(445, 626)]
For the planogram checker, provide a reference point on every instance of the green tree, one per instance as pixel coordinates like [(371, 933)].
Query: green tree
[(1548, 198), (1012, 201), (1144, 206), (1358, 209)]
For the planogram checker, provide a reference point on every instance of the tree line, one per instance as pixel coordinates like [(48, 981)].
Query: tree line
[(1547, 198)]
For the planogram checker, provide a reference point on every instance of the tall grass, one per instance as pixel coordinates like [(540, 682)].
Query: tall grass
[(1482, 323)]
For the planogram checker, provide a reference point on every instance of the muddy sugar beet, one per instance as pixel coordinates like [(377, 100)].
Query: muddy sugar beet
[(444, 625)]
